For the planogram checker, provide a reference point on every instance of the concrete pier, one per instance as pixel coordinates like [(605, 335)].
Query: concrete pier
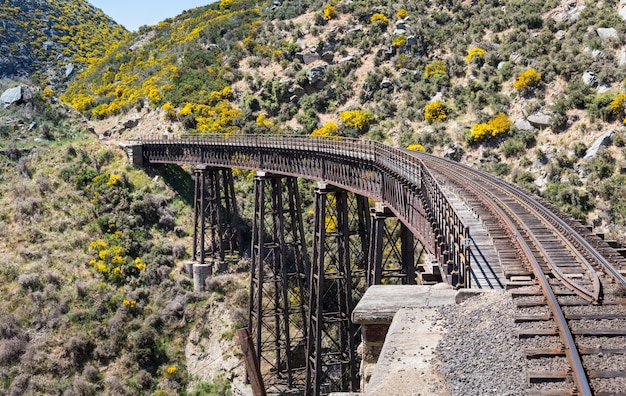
[(399, 336)]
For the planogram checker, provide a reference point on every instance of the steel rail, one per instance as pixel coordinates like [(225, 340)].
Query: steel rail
[(579, 375), (603, 262), (592, 295)]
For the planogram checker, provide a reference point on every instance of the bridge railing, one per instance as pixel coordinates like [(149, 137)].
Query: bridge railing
[(392, 175)]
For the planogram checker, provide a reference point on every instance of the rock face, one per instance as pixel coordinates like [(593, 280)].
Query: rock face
[(540, 120), (11, 96), (523, 125), (604, 140), (316, 74), (607, 33), (590, 79)]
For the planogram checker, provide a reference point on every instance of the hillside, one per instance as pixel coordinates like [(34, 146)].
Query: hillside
[(94, 301), (49, 41), (518, 88)]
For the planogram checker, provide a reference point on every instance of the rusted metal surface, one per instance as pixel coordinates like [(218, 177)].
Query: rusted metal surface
[(277, 314), (390, 175), (252, 368)]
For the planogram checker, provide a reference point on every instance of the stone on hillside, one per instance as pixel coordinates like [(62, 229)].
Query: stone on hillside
[(454, 152), (310, 57), (540, 120), (411, 40), (356, 28), (131, 123), (402, 24), (523, 125), (438, 96), (622, 57), (347, 59), (605, 140), (329, 46), (622, 13), (48, 45), (11, 96), (69, 69), (560, 35), (590, 79), (386, 83), (328, 56), (316, 74), (607, 33), (398, 32)]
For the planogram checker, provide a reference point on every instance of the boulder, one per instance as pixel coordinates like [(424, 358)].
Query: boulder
[(454, 153), (310, 57), (438, 96), (347, 59), (11, 96), (622, 13), (605, 140), (523, 125), (131, 123), (386, 83), (590, 79), (48, 45), (328, 56), (398, 32), (69, 69), (316, 74), (411, 40), (540, 120), (607, 33), (402, 24)]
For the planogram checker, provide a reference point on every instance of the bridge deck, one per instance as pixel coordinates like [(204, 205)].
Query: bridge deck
[(485, 263)]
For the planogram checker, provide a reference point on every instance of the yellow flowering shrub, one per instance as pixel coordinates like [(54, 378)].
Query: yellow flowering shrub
[(170, 110), (617, 105), (360, 119), (497, 125), (263, 121), (329, 11), (416, 147), (399, 40), (473, 53), (435, 111), (529, 78), (378, 17), (436, 68), (402, 13), (328, 129)]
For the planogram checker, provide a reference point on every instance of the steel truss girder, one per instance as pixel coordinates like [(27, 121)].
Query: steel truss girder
[(393, 248), (277, 317), (332, 367), (216, 219)]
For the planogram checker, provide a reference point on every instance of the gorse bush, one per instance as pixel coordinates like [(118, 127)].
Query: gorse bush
[(498, 125), (359, 119), (329, 11), (328, 129), (379, 18), (435, 111), (436, 68), (527, 79), (475, 53)]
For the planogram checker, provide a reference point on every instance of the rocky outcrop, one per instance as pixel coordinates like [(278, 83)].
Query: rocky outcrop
[(605, 140), (540, 120), (11, 96)]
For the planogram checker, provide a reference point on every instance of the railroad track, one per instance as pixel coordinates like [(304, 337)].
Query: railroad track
[(572, 300)]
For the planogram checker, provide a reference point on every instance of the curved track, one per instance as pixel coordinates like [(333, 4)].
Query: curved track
[(549, 243), (549, 246)]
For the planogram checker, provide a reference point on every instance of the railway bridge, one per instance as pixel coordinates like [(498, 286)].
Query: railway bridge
[(382, 215)]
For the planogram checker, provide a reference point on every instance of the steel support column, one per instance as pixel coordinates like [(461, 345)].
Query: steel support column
[(331, 363), (392, 250), (216, 221), (278, 282)]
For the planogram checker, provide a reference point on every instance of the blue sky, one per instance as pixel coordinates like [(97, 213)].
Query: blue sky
[(135, 13)]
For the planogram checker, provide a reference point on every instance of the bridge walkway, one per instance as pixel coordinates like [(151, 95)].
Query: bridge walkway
[(486, 269)]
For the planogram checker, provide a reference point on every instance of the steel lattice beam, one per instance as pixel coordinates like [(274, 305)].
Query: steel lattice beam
[(392, 250), (331, 363), (216, 220), (278, 282)]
